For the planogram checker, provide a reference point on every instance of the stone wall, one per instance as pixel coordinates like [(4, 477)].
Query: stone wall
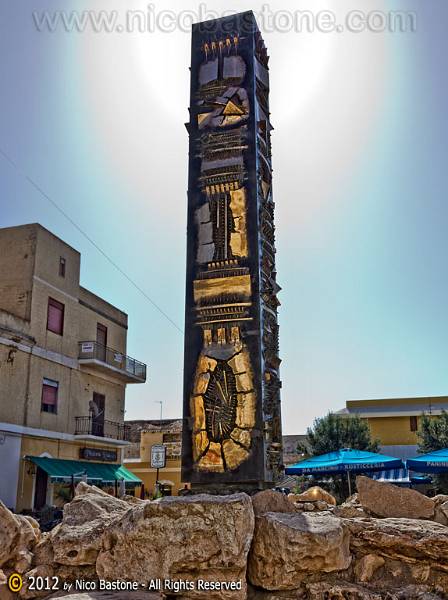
[(234, 547)]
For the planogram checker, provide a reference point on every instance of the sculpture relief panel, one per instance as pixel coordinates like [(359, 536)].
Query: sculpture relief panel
[(232, 386)]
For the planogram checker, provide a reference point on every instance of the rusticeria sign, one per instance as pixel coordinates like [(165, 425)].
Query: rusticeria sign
[(232, 419)]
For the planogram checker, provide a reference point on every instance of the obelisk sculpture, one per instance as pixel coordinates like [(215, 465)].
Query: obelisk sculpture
[(232, 422)]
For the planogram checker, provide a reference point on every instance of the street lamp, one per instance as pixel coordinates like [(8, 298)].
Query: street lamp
[(157, 472), (161, 406)]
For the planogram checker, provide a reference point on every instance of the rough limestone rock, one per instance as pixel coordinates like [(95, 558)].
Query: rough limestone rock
[(18, 536), (366, 567), (350, 509), (5, 594), (77, 540), (43, 551), (415, 550), (108, 596), (182, 538), (341, 591), (388, 500), (271, 501), (9, 534), (347, 591), (132, 499), (41, 571), (288, 548), (312, 494), (441, 509), (320, 590)]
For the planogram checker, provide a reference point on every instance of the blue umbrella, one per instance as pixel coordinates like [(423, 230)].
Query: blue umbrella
[(433, 462), (345, 461)]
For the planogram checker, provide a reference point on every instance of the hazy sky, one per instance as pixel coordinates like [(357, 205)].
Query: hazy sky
[(360, 181)]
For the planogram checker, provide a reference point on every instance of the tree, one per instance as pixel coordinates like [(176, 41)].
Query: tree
[(433, 435), (333, 432), (433, 432)]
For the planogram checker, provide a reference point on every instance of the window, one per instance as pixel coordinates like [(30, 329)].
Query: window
[(55, 316), (49, 396), (413, 424), (61, 266)]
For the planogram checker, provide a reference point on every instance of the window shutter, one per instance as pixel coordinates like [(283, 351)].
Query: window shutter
[(49, 395), (55, 319)]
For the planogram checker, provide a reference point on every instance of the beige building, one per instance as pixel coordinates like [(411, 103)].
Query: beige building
[(144, 435), (396, 421), (63, 373)]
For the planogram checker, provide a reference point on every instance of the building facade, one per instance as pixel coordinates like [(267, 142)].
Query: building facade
[(144, 435), (395, 421), (63, 371), (232, 420)]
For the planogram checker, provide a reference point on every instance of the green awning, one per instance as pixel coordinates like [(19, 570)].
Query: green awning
[(63, 470)]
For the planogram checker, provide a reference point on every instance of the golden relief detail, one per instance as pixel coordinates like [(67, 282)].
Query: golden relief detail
[(222, 406), (206, 289)]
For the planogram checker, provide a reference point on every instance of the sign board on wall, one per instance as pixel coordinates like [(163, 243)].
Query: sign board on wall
[(87, 347), (98, 454), (158, 456)]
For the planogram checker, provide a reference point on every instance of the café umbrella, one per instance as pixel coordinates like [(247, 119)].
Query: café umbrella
[(347, 461), (433, 462)]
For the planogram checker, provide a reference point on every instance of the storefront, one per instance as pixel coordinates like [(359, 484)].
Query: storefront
[(55, 479)]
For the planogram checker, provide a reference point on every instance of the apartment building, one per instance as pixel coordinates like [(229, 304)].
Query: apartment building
[(63, 374), (396, 421)]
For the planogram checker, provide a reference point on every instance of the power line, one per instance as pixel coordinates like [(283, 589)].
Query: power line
[(89, 239)]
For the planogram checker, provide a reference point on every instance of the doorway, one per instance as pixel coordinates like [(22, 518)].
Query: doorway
[(40, 492), (97, 407), (101, 341)]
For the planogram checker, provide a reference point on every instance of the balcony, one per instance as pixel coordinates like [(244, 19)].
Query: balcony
[(88, 426), (111, 362)]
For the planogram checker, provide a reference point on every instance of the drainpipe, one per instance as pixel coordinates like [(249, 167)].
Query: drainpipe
[(27, 391)]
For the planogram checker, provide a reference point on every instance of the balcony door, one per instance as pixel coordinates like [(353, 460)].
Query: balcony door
[(101, 341), (97, 411)]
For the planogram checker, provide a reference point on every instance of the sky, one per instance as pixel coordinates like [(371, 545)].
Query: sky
[(96, 121)]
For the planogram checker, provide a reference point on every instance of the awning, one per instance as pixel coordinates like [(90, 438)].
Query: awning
[(344, 461), (61, 470), (433, 462)]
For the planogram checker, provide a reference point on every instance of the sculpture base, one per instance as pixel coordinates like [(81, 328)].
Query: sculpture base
[(224, 489)]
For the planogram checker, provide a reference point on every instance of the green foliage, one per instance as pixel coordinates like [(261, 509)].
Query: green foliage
[(433, 432), (301, 484), (333, 432), (62, 494), (433, 435)]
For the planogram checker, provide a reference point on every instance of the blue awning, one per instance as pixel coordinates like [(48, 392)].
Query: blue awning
[(343, 461), (400, 476), (433, 462)]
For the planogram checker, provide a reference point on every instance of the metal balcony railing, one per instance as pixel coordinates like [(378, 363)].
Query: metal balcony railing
[(117, 360), (107, 429)]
